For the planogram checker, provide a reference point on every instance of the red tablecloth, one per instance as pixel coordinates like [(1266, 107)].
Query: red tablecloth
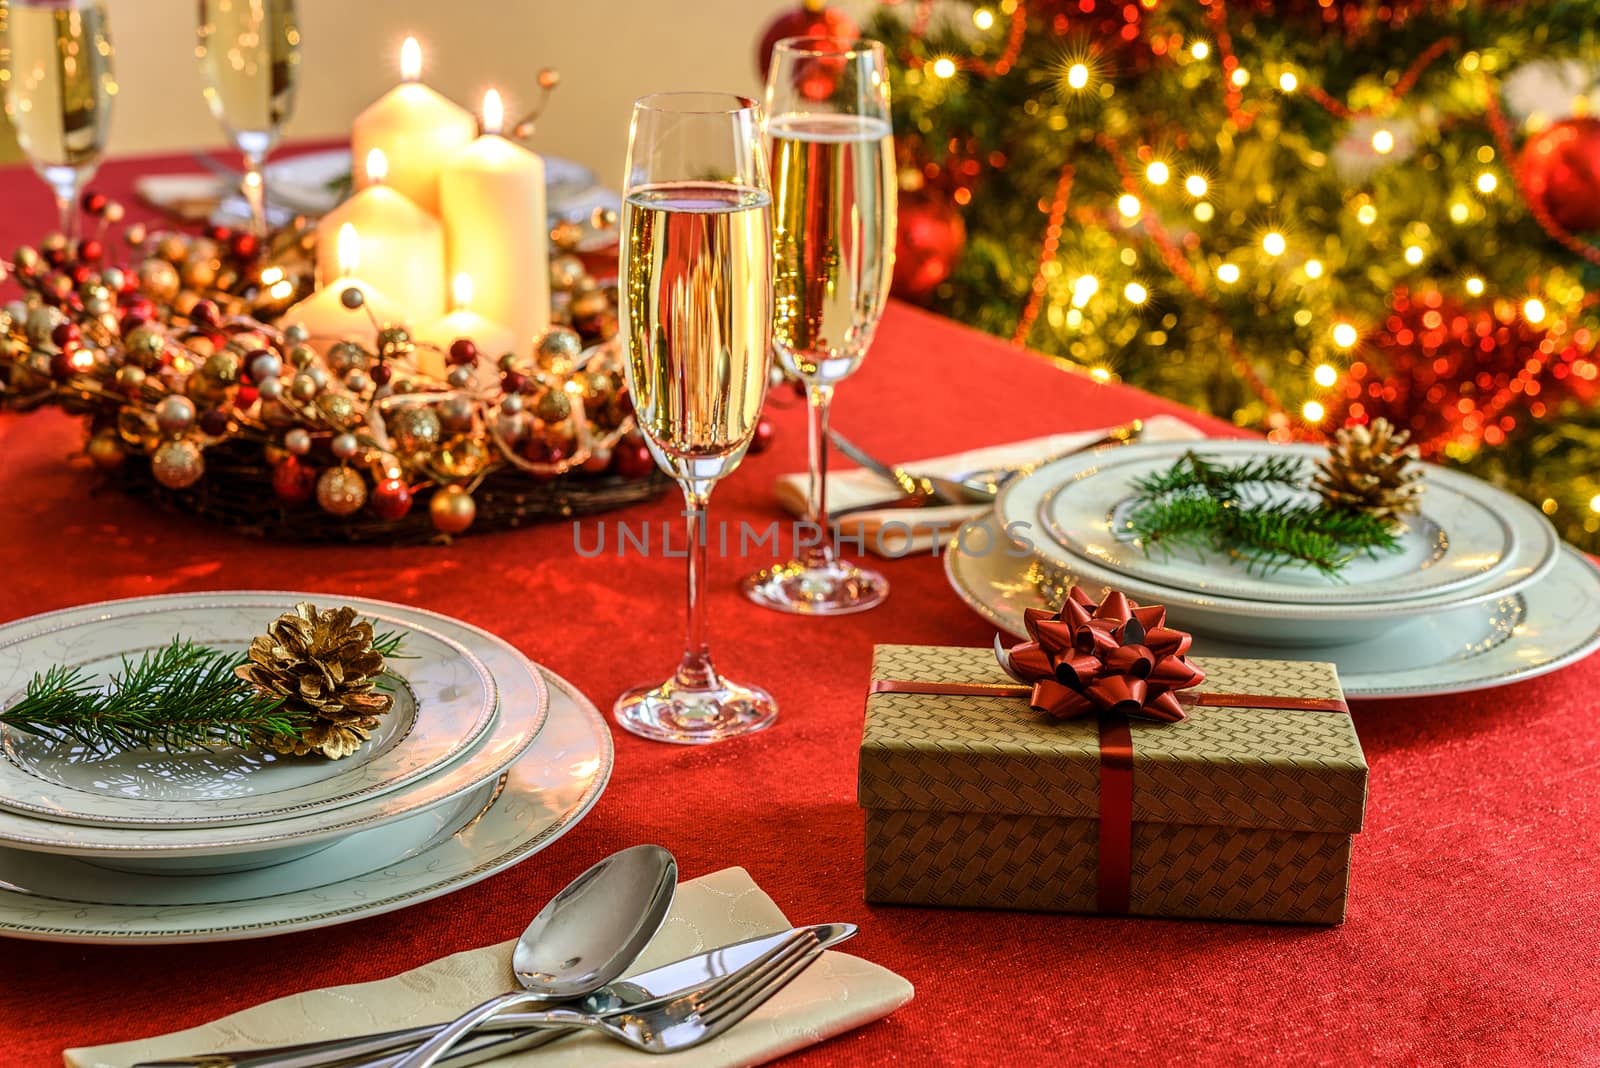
[(1472, 934)]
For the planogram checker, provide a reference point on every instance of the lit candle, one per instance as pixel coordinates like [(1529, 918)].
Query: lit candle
[(416, 128), (492, 197), (402, 246), (491, 338), (324, 314)]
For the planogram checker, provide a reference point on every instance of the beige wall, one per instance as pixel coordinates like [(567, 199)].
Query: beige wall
[(608, 53)]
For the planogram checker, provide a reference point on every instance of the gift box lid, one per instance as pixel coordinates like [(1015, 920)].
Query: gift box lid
[(1258, 767)]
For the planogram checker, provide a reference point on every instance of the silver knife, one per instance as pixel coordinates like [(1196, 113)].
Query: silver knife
[(669, 980)]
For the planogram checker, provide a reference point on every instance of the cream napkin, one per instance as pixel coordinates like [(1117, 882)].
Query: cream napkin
[(837, 993), (903, 531)]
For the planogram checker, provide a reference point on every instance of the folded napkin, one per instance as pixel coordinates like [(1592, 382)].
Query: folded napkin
[(838, 992), (929, 527)]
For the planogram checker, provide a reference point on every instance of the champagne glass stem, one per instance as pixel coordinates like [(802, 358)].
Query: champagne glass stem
[(695, 671), (64, 184), (821, 399), (255, 192)]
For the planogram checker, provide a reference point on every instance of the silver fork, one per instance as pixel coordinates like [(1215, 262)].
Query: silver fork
[(665, 1025)]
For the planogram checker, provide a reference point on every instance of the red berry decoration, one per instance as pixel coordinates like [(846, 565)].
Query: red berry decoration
[(391, 499), (1560, 171), (381, 374), (812, 19), (219, 233), (244, 245), (293, 481), (65, 335), (91, 251), (205, 314), (762, 441), (631, 459), (92, 203), (214, 421), (930, 238), (61, 365), (463, 352), (513, 381)]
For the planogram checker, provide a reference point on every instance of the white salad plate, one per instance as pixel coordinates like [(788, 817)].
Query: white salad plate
[(237, 847), (544, 794), (1457, 541), (444, 704), (1548, 625), (1290, 619)]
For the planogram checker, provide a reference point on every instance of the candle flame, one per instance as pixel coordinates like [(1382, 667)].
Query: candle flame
[(349, 251), (377, 165), (494, 112), (281, 289), (410, 60), (461, 291), (271, 276)]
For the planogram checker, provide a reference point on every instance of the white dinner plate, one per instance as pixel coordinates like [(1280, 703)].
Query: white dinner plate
[(545, 794), (1548, 625), (444, 704), (240, 846), (1456, 542), (1289, 620)]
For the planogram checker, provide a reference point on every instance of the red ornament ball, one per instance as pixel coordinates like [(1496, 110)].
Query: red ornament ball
[(205, 313), (381, 374), (91, 250), (813, 18), (928, 244), (631, 459), (391, 499), (463, 352), (91, 202), (293, 481), (762, 441), (244, 245), (1560, 171), (214, 421)]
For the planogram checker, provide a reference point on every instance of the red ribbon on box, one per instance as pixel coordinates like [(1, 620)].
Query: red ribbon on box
[(1117, 660)]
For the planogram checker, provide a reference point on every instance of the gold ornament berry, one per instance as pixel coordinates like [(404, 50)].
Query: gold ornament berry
[(1371, 469), (341, 491), (178, 464), (324, 667), (452, 510)]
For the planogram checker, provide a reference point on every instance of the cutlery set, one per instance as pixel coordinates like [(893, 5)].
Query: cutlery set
[(568, 961)]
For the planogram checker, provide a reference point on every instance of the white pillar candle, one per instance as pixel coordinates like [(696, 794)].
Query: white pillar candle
[(492, 339), (416, 128), (402, 246), (492, 197), (324, 314)]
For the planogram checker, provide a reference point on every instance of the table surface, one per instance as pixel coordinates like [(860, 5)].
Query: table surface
[(1472, 932)]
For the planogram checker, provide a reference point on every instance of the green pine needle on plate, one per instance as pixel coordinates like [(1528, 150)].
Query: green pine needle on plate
[(1200, 505), (181, 696)]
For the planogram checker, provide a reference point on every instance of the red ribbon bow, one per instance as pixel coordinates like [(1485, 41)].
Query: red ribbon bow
[(1111, 657)]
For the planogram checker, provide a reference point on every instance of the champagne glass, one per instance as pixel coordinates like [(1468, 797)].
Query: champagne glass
[(830, 139), (249, 53), (696, 316), (55, 65)]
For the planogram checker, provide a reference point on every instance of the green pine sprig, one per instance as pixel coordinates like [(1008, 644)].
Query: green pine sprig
[(181, 696), (1198, 504)]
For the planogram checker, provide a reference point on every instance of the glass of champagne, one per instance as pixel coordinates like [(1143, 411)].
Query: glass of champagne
[(833, 179), (696, 317), (55, 66), (249, 52)]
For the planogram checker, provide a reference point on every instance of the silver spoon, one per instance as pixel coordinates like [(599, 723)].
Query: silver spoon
[(584, 938)]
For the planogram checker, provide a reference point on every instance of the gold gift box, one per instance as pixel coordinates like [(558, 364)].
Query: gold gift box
[(1238, 813)]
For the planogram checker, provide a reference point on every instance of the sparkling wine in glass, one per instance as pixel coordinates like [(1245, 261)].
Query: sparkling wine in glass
[(833, 180), (55, 66), (249, 52), (696, 317)]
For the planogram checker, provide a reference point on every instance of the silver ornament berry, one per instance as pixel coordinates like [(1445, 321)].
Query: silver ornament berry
[(175, 413), (345, 446), (298, 441)]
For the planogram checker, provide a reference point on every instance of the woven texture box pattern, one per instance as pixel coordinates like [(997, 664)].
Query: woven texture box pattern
[(1239, 813)]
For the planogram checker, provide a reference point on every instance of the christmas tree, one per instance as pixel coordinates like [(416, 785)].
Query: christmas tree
[(1297, 214)]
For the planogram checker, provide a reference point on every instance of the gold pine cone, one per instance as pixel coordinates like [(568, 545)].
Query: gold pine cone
[(324, 667), (1371, 469)]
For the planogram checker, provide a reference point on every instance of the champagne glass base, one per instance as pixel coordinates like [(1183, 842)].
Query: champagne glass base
[(671, 712), (832, 589)]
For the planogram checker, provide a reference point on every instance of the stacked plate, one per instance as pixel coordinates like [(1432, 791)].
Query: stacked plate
[(1480, 593), (485, 759)]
